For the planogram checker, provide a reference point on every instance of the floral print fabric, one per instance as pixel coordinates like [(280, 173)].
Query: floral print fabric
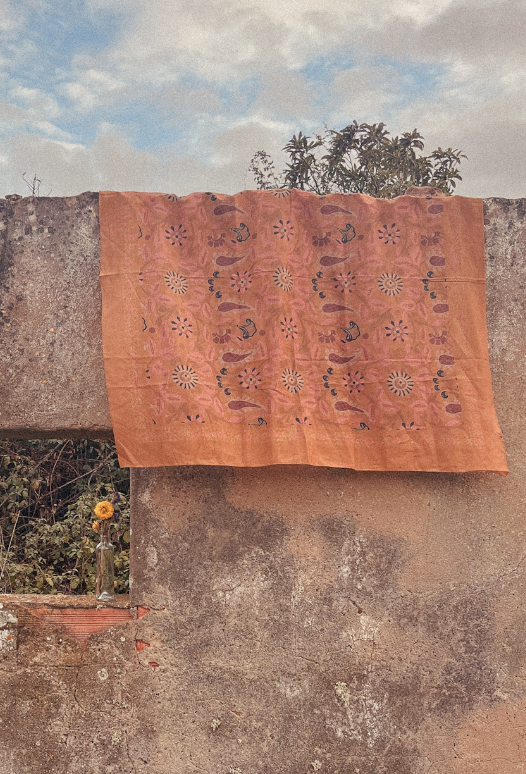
[(285, 327)]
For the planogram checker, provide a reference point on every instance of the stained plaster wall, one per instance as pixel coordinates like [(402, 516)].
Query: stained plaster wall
[(299, 619)]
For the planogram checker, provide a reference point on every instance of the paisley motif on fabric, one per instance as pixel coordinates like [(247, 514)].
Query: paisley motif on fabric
[(286, 327)]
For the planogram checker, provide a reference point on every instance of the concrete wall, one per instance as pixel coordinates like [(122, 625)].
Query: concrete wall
[(65, 705), (51, 370), (299, 619)]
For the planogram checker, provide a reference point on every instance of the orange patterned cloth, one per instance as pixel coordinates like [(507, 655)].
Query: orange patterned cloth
[(285, 327)]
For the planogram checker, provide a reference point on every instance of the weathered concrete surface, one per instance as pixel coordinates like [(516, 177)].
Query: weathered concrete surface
[(303, 619), (51, 369), (67, 708), (370, 623), (366, 621)]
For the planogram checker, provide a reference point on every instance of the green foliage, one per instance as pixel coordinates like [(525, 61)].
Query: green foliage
[(361, 158), (48, 490)]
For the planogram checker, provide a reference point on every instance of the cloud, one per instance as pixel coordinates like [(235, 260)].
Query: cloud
[(11, 117), (67, 168), (49, 129), (179, 96), (10, 20), (364, 93), (238, 143), (219, 39), (29, 109), (478, 31), (92, 89), (112, 163), (37, 102), (122, 6), (490, 134), (287, 95), (177, 101)]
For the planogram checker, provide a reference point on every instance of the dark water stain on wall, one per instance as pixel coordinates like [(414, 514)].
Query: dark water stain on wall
[(319, 649)]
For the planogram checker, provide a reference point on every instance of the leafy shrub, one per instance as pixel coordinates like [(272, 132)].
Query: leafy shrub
[(48, 490), (360, 158)]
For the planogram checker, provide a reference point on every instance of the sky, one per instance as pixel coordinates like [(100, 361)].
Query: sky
[(177, 95)]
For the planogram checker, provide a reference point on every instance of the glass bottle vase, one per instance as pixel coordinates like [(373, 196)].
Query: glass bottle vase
[(105, 589)]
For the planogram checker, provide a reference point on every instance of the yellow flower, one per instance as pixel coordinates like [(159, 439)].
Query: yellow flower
[(103, 510), (96, 525)]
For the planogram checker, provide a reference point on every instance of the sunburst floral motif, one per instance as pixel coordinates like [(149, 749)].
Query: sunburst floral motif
[(241, 281), (182, 327), (344, 282), (250, 379), (400, 383), (397, 331), (389, 235), (354, 381), (292, 380), (176, 282), (176, 235), (289, 328), (390, 284), (284, 229), (185, 377), (283, 279)]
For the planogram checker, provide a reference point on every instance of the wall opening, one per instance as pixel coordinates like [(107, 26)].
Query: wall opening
[(48, 489)]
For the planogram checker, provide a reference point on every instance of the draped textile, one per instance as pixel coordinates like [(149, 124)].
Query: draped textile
[(286, 327)]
